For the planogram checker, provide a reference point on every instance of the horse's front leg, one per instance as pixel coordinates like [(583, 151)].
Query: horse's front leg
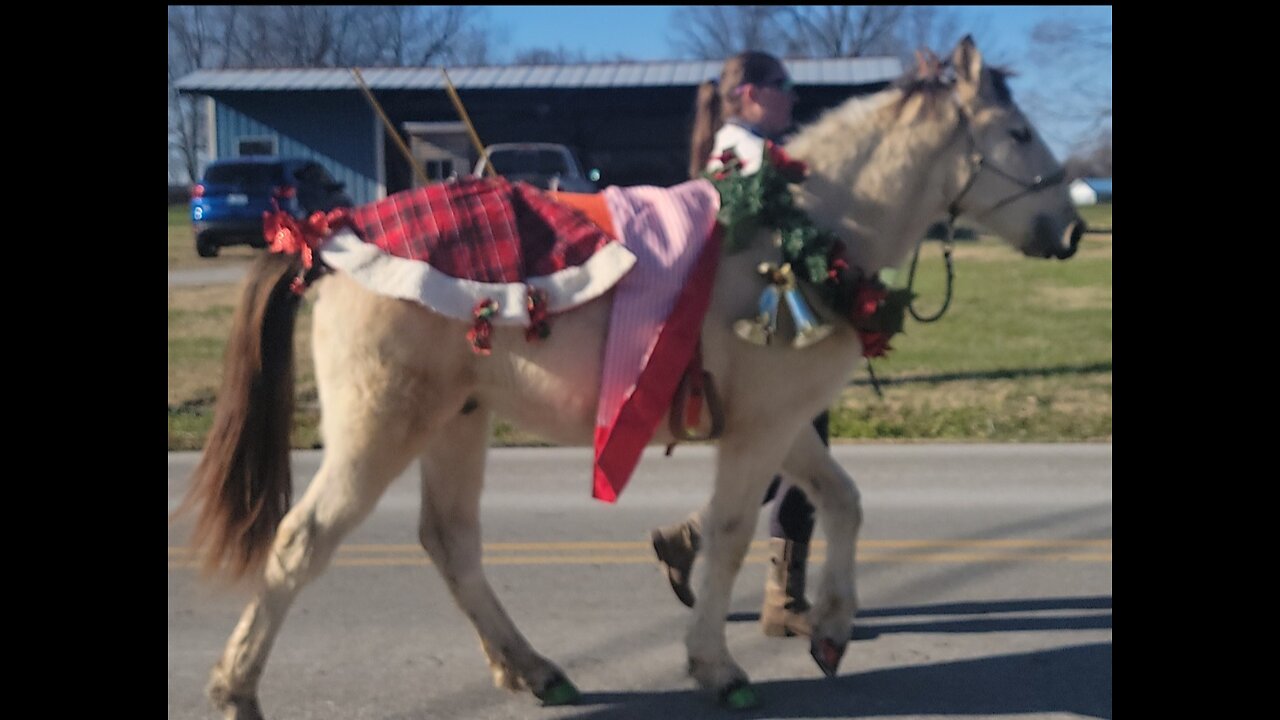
[(452, 479), (839, 508), (744, 466)]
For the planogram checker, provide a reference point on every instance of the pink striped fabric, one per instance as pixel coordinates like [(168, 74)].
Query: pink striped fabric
[(666, 229)]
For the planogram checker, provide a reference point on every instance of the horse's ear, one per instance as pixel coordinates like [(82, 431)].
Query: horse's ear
[(967, 62), (928, 66)]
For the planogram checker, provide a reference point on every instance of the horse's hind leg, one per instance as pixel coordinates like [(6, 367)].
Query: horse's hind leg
[(376, 420), (839, 508), (342, 493), (452, 478)]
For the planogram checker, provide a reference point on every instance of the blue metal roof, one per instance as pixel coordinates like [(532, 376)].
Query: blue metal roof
[(1099, 185), (667, 73)]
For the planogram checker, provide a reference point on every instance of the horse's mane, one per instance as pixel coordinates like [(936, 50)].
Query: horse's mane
[(860, 117), (936, 86)]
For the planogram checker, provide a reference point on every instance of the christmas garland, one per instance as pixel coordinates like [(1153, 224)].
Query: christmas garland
[(763, 200)]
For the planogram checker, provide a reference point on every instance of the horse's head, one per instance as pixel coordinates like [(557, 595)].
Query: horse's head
[(1004, 176)]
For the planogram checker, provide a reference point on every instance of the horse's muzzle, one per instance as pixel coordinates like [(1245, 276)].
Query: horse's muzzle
[(1050, 242)]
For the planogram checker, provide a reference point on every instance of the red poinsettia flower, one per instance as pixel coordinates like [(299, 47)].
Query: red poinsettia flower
[(866, 301), (792, 170), (874, 344)]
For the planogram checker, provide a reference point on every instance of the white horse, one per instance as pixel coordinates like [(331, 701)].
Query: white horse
[(883, 168)]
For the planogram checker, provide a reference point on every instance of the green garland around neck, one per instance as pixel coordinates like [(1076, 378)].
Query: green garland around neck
[(763, 200)]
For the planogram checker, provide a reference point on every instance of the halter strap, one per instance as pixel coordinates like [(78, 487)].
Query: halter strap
[(979, 162)]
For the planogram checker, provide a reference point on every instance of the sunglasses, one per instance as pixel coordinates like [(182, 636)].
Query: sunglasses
[(784, 84)]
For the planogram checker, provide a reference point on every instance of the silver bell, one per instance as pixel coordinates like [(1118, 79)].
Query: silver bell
[(760, 329), (808, 329)]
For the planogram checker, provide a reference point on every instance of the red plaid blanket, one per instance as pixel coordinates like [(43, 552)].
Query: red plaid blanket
[(487, 230)]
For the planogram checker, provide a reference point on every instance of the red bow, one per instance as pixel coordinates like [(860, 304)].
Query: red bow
[(792, 170), (538, 328), (285, 235), (482, 327)]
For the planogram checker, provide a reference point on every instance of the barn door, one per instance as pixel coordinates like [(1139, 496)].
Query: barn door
[(442, 149)]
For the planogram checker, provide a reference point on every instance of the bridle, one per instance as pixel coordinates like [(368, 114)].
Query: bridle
[(977, 163)]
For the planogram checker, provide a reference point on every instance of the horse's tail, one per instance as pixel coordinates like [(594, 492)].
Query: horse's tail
[(243, 484)]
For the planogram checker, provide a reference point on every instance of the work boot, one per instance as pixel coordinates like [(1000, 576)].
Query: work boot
[(785, 610), (677, 546)]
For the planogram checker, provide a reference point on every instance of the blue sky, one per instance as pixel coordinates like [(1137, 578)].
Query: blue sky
[(644, 32)]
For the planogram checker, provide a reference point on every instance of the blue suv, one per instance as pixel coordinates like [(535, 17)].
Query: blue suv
[(227, 205)]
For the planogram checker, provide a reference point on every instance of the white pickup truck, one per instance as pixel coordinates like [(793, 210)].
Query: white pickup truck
[(546, 165)]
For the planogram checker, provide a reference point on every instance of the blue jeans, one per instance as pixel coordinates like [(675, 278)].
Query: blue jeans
[(792, 516)]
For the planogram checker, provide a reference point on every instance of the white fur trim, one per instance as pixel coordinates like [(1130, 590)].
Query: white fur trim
[(453, 297)]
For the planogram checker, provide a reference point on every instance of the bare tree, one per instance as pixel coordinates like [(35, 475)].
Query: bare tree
[(824, 31), (939, 28), (347, 35), (199, 37), (1093, 162), (1077, 89), (714, 32), (548, 56), (832, 31)]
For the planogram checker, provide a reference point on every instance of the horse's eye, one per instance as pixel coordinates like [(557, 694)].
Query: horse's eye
[(1022, 135)]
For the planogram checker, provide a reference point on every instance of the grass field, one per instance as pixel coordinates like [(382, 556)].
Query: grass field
[(1023, 353), (182, 245)]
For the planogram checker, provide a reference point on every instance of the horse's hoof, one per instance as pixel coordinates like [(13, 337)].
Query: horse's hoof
[(827, 654), (559, 692), (247, 711), (233, 707), (740, 696), (241, 710)]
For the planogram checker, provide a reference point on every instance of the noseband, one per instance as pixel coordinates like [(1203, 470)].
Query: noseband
[(979, 162)]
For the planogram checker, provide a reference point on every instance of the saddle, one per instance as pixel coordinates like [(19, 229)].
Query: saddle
[(491, 252)]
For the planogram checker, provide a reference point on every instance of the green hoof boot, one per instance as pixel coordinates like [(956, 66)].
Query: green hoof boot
[(560, 692), (740, 696)]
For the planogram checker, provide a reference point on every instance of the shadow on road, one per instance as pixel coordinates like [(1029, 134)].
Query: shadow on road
[(1075, 679), (864, 630)]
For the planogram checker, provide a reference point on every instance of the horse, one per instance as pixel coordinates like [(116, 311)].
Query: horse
[(882, 168)]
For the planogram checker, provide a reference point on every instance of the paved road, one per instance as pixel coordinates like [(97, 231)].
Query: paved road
[(985, 578), (208, 276)]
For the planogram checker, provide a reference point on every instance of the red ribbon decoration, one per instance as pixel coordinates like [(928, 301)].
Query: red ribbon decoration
[(284, 234)]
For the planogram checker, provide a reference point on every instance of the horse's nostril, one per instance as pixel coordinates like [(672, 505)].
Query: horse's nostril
[(1071, 237)]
